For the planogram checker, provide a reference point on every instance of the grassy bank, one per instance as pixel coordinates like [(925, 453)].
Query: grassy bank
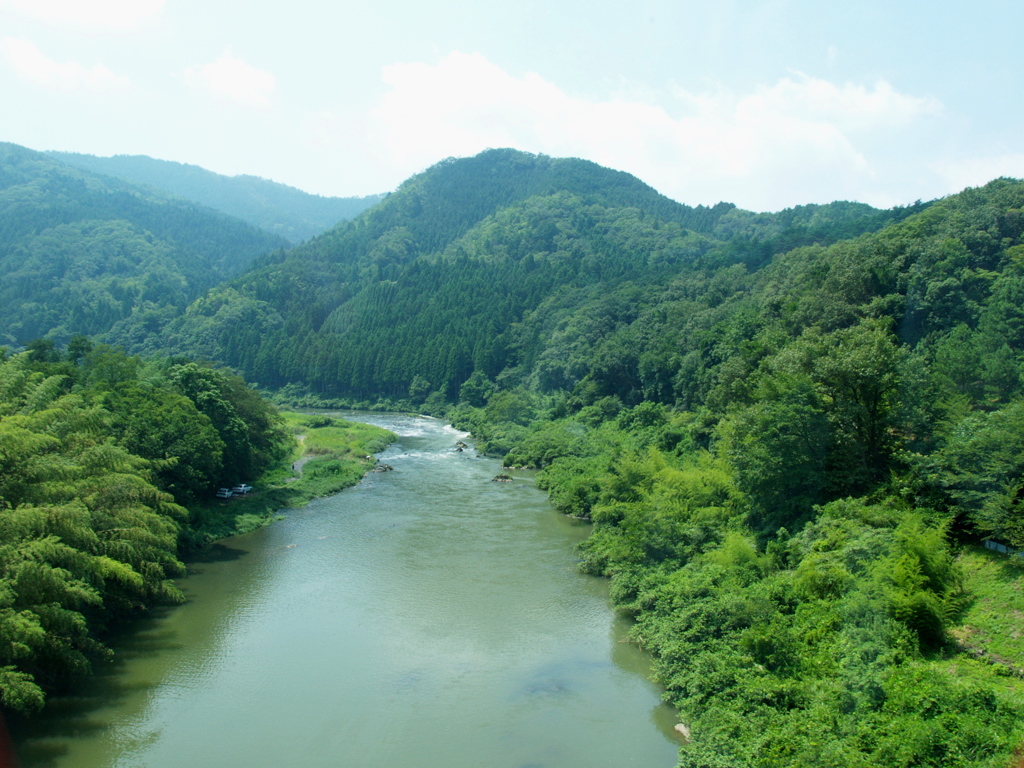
[(329, 455), (992, 626)]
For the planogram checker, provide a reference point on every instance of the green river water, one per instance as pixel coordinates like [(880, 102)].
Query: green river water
[(425, 618)]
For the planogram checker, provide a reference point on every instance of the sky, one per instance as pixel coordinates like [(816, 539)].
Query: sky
[(763, 103)]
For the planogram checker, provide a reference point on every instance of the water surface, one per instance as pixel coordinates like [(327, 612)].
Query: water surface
[(428, 617)]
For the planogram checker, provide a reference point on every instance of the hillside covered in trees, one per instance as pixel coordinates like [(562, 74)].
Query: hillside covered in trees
[(788, 429), (452, 273), (277, 208), (791, 431), (790, 471), (80, 253)]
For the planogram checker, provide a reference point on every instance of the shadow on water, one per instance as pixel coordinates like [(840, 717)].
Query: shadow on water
[(43, 755), (217, 552), (43, 739), (628, 656), (120, 686)]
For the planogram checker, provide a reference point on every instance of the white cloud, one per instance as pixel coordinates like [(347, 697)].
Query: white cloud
[(33, 66), (94, 15), (793, 142), (233, 80), (976, 172), (850, 108)]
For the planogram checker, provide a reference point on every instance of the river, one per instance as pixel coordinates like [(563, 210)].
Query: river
[(427, 617)]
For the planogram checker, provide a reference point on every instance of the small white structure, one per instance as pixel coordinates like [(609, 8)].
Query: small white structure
[(1000, 547)]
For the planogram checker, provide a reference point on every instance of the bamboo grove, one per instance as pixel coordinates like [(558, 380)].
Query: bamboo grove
[(99, 453)]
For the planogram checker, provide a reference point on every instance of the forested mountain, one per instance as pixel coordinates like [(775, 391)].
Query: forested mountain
[(436, 281), (291, 213), (790, 430), (80, 253), (790, 470)]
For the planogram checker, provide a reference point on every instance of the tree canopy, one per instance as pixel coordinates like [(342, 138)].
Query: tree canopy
[(98, 454), (788, 429)]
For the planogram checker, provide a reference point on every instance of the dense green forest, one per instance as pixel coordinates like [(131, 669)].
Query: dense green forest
[(788, 429), (108, 467), (467, 267), (84, 254), (285, 211), (101, 454), (787, 469), (791, 431)]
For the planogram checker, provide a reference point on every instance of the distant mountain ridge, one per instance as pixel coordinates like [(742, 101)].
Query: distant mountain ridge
[(278, 208), (441, 279), (432, 282), (81, 253), (787, 429)]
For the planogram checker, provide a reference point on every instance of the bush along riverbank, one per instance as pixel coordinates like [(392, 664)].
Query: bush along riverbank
[(328, 455), (862, 631), (108, 469)]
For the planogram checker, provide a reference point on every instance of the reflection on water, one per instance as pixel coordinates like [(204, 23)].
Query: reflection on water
[(426, 617)]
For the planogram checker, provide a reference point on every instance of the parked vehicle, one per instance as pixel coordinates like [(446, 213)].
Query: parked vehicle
[(224, 493), (241, 488)]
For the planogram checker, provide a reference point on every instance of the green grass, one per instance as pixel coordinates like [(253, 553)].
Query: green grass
[(329, 455), (993, 623), (990, 631)]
